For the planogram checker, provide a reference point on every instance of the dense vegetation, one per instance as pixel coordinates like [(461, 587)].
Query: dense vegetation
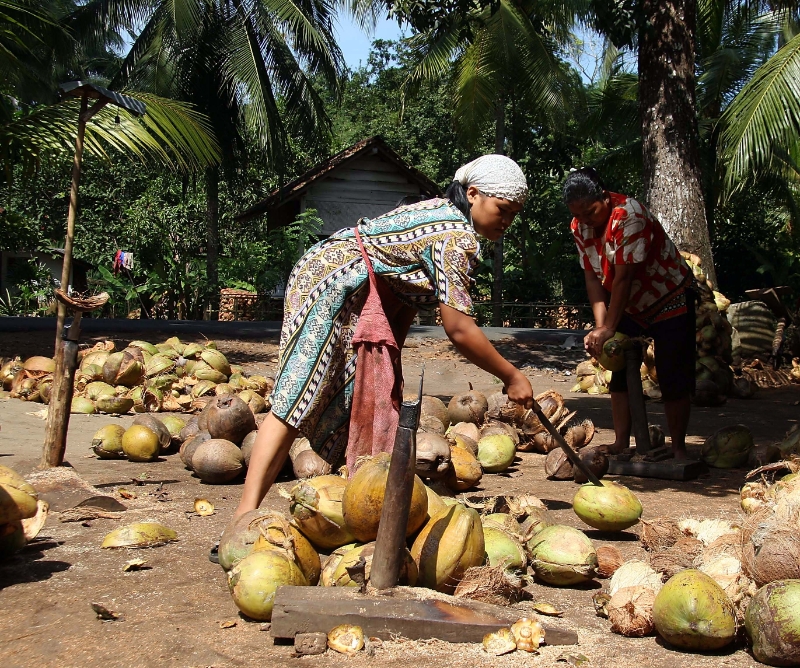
[(263, 126)]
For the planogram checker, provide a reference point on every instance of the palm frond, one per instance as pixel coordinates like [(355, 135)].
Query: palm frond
[(171, 133), (766, 113)]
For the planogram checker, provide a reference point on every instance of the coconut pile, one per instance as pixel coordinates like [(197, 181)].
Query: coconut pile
[(714, 377), (478, 548), (171, 376)]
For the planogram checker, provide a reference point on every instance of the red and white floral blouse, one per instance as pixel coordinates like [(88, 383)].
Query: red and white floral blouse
[(634, 236)]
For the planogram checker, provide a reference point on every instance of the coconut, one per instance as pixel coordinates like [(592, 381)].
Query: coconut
[(190, 445), (139, 535), (39, 365), (677, 558), (634, 573), (558, 466), (609, 560), (248, 443), (362, 501), (728, 447), (203, 388), (496, 453), (467, 429), (347, 639), (276, 533), (595, 458), (316, 506), (450, 543), (562, 556), (229, 418), (630, 612), (772, 553), (113, 405), (536, 520), (216, 360), (254, 401), (217, 461), (659, 533), (342, 578), (82, 405), (17, 497), (174, 426), (107, 442), (431, 425), (503, 549), (465, 470), (693, 612), (12, 539), (707, 393), (307, 464), (579, 434), (772, 622), (613, 356), (98, 389), (332, 562), (489, 584), (140, 444), (612, 507), (433, 455), (435, 502), (465, 442), (158, 427), (239, 537), (254, 580), (468, 407), (144, 346), (434, 407)]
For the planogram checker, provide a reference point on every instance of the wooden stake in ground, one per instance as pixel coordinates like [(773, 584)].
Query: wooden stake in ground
[(55, 434)]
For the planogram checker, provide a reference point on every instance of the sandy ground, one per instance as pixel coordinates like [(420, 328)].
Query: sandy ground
[(172, 613)]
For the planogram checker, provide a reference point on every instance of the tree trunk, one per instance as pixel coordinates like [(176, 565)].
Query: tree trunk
[(497, 271), (212, 239), (671, 164)]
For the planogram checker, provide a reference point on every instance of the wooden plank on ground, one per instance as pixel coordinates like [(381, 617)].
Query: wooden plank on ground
[(397, 612), (673, 470)]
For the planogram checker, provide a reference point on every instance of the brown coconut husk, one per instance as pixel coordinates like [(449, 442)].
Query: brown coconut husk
[(659, 533), (579, 434), (594, 457), (771, 550), (609, 560), (490, 584), (558, 466), (728, 545), (679, 557), (630, 611), (552, 405)]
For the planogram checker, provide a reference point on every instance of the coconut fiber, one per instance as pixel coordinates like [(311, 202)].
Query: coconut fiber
[(378, 390)]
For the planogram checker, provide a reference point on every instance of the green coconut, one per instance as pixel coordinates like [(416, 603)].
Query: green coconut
[(82, 405), (12, 539), (772, 622), (254, 580), (157, 427), (278, 533), (613, 356), (113, 405), (341, 578), (496, 453), (145, 346), (98, 389), (332, 562), (139, 534), (239, 537), (503, 549), (562, 556), (693, 612), (316, 506), (612, 507), (17, 497), (449, 544), (140, 444), (502, 521), (728, 448), (107, 442)]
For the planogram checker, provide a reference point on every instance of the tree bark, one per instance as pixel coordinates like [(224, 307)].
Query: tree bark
[(670, 155), (212, 239), (497, 270)]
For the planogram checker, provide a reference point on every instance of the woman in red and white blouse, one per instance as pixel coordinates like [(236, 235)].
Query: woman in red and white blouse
[(638, 284)]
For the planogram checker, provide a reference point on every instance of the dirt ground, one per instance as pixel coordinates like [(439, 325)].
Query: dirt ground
[(171, 614)]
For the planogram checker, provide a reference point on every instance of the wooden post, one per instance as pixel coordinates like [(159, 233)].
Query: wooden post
[(633, 365), (55, 431)]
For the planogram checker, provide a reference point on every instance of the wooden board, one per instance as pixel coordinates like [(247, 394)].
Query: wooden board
[(671, 470), (400, 611)]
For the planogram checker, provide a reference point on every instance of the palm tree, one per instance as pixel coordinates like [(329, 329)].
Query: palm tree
[(248, 65), (496, 56)]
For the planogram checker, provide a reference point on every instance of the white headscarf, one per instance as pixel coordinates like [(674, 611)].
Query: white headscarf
[(496, 176)]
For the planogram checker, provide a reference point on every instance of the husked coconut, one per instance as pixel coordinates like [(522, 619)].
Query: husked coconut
[(468, 407), (630, 611), (433, 456)]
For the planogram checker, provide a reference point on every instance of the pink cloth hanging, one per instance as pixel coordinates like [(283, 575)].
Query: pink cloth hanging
[(378, 392)]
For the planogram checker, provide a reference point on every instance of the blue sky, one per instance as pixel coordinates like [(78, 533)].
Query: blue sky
[(355, 43)]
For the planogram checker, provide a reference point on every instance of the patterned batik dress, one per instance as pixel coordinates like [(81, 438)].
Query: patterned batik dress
[(425, 252)]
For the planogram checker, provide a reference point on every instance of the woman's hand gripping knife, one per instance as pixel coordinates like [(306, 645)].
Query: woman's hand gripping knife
[(607, 317), (472, 343)]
